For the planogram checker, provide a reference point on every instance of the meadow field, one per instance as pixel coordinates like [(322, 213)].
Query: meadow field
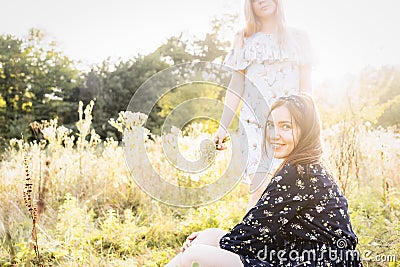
[(89, 211)]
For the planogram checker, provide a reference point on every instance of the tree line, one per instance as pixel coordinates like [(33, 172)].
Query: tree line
[(38, 82)]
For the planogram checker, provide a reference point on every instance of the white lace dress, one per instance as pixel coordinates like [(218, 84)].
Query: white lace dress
[(271, 72)]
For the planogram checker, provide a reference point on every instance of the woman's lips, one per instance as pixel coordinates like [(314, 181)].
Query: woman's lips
[(277, 146)]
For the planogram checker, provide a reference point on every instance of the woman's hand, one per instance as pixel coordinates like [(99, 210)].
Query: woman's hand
[(220, 137), (189, 240)]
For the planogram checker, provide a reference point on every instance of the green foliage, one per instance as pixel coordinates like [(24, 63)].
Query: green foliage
[(114, 89), (199, 101), (38, 82), (376, 224), (213, 47), (372, 96), (35, 80)]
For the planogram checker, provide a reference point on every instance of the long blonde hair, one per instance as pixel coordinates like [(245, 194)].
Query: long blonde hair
[(253, 24)]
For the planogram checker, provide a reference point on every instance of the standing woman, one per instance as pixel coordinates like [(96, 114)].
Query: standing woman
[(270, 60)]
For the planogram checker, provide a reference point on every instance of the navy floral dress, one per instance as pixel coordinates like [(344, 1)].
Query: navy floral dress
[(300, 220)]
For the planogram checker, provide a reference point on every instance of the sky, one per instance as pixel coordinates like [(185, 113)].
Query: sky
[(346, 35)]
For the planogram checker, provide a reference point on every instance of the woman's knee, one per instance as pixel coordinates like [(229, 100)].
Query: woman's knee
[(210, 236), (216, 232), (207, 256)]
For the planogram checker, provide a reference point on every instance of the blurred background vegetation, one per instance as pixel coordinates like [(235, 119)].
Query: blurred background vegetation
[(38, 82)]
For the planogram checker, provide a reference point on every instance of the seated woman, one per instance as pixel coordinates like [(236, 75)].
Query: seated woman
[(301, 218)]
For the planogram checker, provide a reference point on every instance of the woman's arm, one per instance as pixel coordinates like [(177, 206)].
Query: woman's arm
[(232, 97), (305, 79), (306, 63)]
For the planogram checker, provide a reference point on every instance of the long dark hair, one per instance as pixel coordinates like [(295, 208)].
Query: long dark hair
[(304, 113)]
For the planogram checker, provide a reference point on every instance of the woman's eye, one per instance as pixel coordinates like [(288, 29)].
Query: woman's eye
[(269, 124), (287, 126)]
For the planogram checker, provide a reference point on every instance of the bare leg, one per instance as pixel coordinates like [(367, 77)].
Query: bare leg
[(176, 261), (209, 237), (206, 256), (209, 256)]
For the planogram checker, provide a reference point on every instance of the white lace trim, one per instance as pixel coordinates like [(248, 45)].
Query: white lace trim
[(264, 48)]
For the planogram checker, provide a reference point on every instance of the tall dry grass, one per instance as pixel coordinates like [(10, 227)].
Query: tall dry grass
[(93, 214)]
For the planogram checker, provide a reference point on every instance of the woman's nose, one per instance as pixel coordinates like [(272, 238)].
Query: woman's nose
[(275, 134)]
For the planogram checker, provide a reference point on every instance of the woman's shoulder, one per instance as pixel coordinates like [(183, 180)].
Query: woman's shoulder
[(315, 172), (288, 171)]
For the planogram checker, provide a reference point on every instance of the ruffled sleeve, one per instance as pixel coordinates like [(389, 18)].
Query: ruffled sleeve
[(265, 48), (258, 48), (236, 59)]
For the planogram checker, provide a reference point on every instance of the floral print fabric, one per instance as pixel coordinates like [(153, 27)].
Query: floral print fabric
[(302, 209), (272, 71)]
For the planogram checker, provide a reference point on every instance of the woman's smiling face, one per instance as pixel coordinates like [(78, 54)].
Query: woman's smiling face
[(282, 132)]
